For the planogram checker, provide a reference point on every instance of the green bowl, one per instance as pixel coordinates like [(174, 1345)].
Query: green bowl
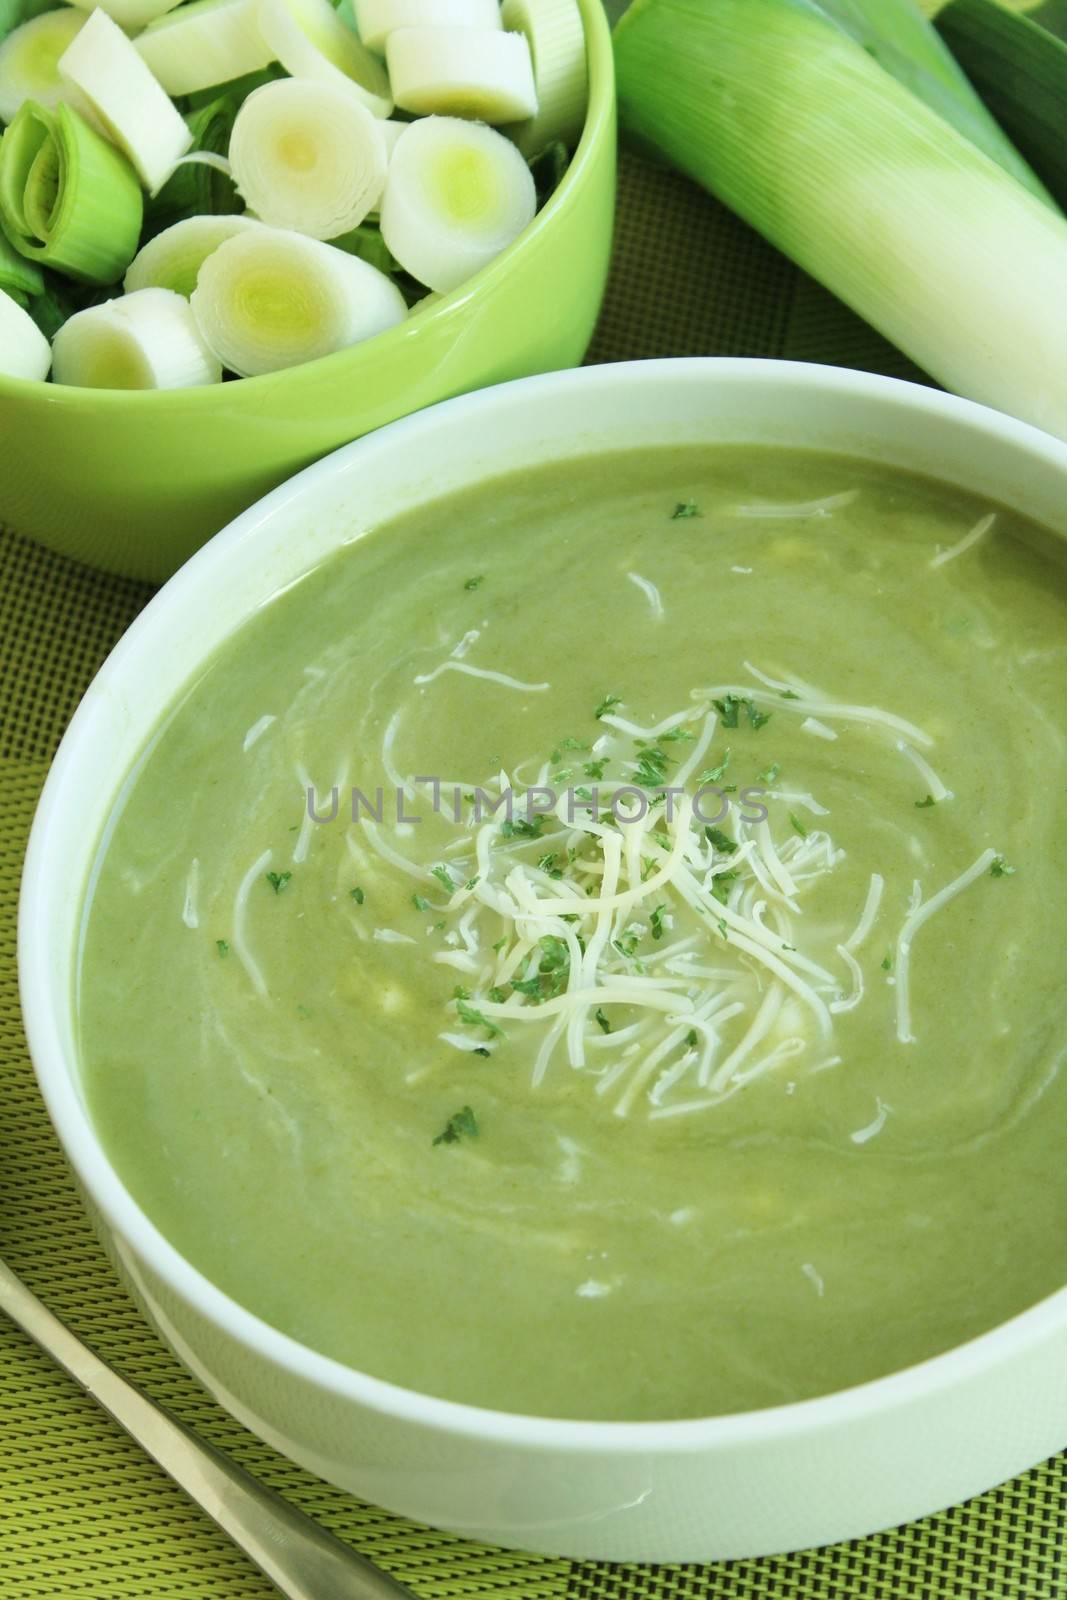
[(136, 481)]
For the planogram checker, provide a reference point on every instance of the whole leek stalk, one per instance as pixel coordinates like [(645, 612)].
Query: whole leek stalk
[(899, 37), (68, 198), (1017, 60), (791, 123)]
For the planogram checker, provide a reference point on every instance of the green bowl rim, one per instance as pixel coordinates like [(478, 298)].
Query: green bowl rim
[(599, 122)]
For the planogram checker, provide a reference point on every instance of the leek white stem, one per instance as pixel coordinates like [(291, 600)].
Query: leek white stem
[(311, 41), (793, 125), (172, 260), (29, 60), (268, 299), (457, 194), (24, 351), (556, 36), (462, 72), (103, 64), (204, 43), (308, 156), (377, 19), (145, 340)]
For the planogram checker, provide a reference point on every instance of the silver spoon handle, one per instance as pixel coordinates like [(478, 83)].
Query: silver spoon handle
[(300, 1557)]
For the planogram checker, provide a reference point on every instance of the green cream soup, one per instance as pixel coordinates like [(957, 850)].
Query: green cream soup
[(686, 1035)]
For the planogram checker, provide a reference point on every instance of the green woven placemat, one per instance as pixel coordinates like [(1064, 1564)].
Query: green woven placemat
[(83, 1514)]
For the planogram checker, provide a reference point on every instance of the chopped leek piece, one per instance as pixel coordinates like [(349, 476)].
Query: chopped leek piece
[(311, 41), (269, 299), (68, 198), (172, 260), (18, 276), (377, 19), (794, 126), (308, 156), (147, 340), (1018, 64), (457, 194), (204, 43), (897, 35), (554, 32), (24, 351), (462, 72), (29, 60), (137, 114), (129, 14)]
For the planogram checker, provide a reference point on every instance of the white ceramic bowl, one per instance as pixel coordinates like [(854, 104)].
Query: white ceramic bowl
[(766, 1481)]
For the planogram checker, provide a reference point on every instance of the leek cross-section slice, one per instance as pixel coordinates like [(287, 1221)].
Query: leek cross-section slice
[(457, 194), (172, 260), (462, 72), (307, 155), (29, 60), (147, 340), (68, 198), (270, 299)]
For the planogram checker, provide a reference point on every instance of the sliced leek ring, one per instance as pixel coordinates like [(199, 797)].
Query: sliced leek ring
[(377, 19), (29, 60), (307, 155), (24, 350), (103, 64), (462, 72), (68, 198), (556, 36), (129, 14), (311, 41), (457, 194), (172, 260), (204, 43), (270, 299), (146, 340)]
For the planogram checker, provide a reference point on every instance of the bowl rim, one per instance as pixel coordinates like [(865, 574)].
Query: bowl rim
[(908, 1386), (599, 124)]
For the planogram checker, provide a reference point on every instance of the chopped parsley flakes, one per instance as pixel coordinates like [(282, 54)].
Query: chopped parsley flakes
[(477, 1019), (999, 868), (462, 1124), (278, 880), (731, 706), (474, 583), (357, 895), (609, 702), (222, 947), (685, 509)]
